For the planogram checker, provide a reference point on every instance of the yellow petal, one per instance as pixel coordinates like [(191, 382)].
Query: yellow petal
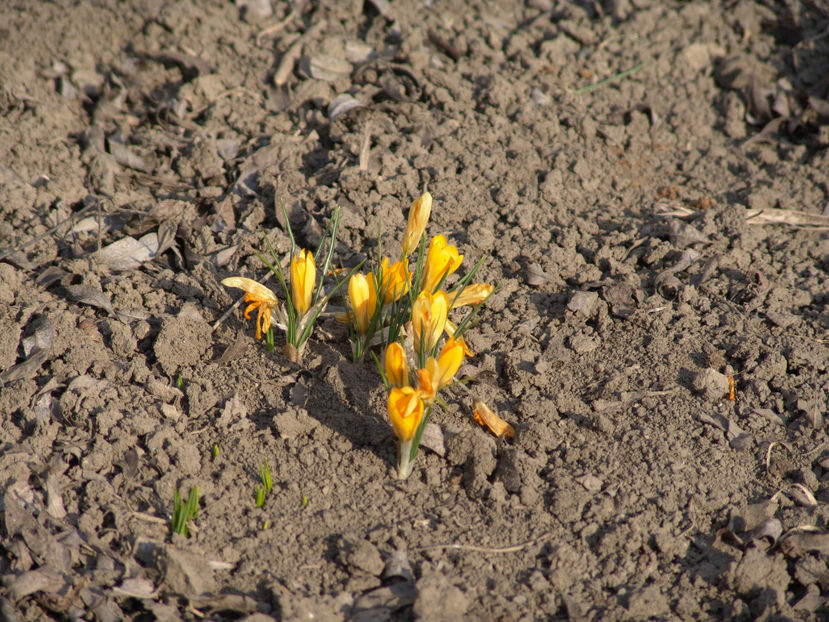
[(255, 290), (449, 328), (429, 318), (484, 416), (441, 259), (472, 294), (303, 279), (395, 365), (363, 298), (395, 279), (405, 412), (449, 361), (418, 217)]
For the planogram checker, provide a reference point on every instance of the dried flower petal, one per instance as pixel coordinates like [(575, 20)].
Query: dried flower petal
[(485, 417)]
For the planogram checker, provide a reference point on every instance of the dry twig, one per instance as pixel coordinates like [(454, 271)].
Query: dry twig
[(485, 549)]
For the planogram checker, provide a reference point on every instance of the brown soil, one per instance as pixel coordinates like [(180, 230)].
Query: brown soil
[(629, 226)]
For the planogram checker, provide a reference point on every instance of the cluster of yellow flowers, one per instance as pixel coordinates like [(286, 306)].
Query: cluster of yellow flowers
[(412, 326), (404, 310)]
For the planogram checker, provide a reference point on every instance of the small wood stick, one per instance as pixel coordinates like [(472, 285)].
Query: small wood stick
[(484, 549), (364, 150), (270, 31), (286, 65)]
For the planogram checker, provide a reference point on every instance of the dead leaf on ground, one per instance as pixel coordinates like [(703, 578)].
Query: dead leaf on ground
[(45, 580), (129, 253), (433, 439), (90, 295), (36, 347)]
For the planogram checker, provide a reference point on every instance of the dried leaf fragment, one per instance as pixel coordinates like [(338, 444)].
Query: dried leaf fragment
[(129, 253), (90, 295), (485, 417)]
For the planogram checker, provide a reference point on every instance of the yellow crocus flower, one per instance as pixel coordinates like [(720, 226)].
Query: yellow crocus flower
[(442, 259), (440, 372), (395, 279), (395, 365), (418, 217), (259, 297), (303, 279), (473, 294), (363, 297), (405, 411), (429, 313)]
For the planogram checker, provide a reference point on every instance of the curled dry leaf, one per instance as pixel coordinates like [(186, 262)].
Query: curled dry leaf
[(90, 295), (41, 336), (487, 418), (807, 541), (341, 105), (36, 347), (802, 495), (536, 275), (135, 588), (682, 234), (398, 566), (769, 530)]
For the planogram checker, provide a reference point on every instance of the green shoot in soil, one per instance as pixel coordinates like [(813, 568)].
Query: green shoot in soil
[(266, 487), (183, 513)]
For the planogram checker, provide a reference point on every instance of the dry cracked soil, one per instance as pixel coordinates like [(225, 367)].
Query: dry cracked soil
[(647, 181)]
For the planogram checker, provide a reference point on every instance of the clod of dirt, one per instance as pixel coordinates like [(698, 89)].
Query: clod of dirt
[(293, 423), (519, 474), (647, 603), (583, 303), (181, 342), (568, 505), (583, 343), (380, 603), (622, 298), (361, 554), (758, 572), (711, 384), (438, 600), (319, 609), (185, 572), (476, 452)]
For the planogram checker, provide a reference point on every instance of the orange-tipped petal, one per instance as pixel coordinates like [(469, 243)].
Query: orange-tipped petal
[(259, 297)]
